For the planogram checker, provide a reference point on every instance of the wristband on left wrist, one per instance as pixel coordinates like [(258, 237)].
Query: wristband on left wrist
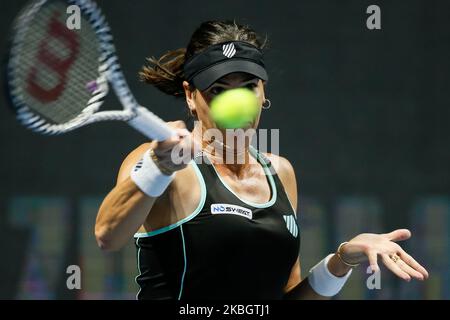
[(323, 282)]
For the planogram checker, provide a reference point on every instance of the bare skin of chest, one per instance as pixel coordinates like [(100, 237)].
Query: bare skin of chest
[(253, 187)]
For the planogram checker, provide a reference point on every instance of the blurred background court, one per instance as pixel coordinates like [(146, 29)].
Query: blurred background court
[(363, 117)]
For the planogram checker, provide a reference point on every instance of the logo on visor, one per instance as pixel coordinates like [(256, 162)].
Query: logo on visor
[(229, 50)]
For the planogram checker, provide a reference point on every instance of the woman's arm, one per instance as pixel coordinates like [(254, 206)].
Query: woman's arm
[(367, 246), (361, 248), (126, 207)]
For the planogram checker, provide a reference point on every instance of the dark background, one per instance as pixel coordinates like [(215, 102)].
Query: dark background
[(363, 114)]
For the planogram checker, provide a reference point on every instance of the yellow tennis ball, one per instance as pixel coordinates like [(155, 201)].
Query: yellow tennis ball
[(234, 108)]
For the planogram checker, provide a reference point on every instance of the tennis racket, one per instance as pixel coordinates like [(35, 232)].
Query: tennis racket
[(58, 76)]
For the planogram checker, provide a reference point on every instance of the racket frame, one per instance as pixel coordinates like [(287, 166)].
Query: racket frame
[(109, 70)]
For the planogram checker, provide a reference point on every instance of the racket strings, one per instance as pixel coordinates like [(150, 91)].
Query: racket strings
[(56, 72)]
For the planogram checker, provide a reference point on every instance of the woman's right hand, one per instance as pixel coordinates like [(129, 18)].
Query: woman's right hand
[(169, 161)]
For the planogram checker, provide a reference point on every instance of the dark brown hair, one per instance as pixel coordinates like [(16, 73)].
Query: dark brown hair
[(166, 72)]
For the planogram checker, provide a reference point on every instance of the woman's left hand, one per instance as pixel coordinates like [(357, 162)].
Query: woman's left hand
[(370, 246)]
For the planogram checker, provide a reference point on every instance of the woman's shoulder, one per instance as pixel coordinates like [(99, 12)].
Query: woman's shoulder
[(181, 199), (286, 173), (281, 165)]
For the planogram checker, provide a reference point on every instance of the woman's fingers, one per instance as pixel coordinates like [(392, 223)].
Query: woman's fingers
[(405, 267), (391, 265), (168, 144), (413, 263), (393, 256), (177, 151), (398, 235), (372, 256)]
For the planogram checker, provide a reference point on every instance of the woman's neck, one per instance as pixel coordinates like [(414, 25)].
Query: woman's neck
[(235, 157)]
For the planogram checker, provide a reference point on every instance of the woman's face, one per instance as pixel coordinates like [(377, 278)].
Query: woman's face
[(198, 101)]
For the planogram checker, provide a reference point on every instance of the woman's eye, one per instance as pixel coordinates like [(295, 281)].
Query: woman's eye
[(251, 86), (216, 90)]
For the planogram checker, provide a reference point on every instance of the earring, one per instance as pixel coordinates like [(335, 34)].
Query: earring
[(267, 104)]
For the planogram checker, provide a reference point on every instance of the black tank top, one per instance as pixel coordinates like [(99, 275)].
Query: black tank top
[(228, 248)]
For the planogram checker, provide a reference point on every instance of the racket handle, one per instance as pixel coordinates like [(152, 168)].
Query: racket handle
[(151, 125)]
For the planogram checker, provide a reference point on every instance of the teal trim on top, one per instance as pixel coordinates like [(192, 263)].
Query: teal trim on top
[(139, 268), (273, 187), (185, 263), (189, 217)]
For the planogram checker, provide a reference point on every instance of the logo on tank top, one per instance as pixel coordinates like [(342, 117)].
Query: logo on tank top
[(223, 208), (291, 225)]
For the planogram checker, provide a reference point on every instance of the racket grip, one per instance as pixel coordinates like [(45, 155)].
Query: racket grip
[(151, 125)]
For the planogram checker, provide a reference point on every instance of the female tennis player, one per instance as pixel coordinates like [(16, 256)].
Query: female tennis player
[(216, 230)]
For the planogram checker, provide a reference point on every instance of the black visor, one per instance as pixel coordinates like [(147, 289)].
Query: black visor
[(217, 61)]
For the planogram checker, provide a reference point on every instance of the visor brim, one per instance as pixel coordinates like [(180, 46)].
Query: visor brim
[(207, 77)]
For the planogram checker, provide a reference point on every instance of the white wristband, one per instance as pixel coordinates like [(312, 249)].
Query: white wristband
[(323, 281), (146, 175)]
